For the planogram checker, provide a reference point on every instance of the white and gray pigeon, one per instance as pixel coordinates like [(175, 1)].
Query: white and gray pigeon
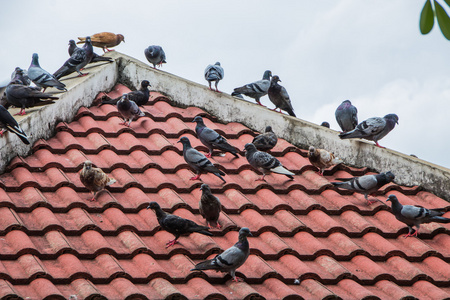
[(95, 58), (9, 123), (366, 184), (41, 77), (77, 61), (346, 116), (279, 96), (231, 259), (214, 73), (372, 129), (211, 139), (266, 141), (129, 110), (256, 89), (415, 215), (198, 161), (209, 207), (265, 162), (155, 55)]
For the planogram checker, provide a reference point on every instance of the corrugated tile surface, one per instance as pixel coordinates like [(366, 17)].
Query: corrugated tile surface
[(310, 241)]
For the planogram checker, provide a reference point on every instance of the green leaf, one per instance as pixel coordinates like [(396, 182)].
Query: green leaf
[(443, 20), (426, 18)]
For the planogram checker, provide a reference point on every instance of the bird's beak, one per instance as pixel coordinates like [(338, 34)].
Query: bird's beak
[(178, 142), (250, 234)]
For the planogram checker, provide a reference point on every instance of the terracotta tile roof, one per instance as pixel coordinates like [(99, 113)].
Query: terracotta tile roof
[(54, 243)]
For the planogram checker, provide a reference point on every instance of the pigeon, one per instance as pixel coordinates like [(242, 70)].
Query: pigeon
[(231, 259), (94, 179), (77, 61), (325, 124), (211, 139), (256, 89), (373, 129), (322, 159), (176, 225), (366, 184), (140, 97), (129, 110), (104, 40), (347, 116), (23, 96), (209, 207), (42, 78), (265, 162), (214, 73), (237, 95), (415, 215), (279, 96), (155, 55), (96, 58), (198, 161), (9, 123), (265, 141), (22, 75)]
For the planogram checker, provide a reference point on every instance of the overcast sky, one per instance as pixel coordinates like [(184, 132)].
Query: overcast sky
[(370, 52)]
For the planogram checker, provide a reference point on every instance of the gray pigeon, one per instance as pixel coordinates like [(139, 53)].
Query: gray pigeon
[(211, 139), (214, 73), (77, 61), (347, 116), (198, 161), (279, 96), (95, 58), (155, 55), (176, 225), (231, 259), (265, 162), (23, 96), (265, 141), (373, 129), (42, 78), (9, 123), (366, 184), (256, 89), (210, 207), (129, 110), (140, 97), (415, 215)]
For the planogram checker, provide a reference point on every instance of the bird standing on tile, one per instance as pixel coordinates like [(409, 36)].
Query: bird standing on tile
[(415, 215), (23, 96), (94, 179), (104, 40), (366, 184), (231, 259), (265, 141), (210, 207), (211, 139), (9, 123), (77, 61), (346, 116), (373, 129), (155, 55), (129, 110), (176, 225), (279, 96), (214, 73), (140, 97), (42, 78), (96, 58), (265, 162), (322, 159), (198, 161), (256, 89)]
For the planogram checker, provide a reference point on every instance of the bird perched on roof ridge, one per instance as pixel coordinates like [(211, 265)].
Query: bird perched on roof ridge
[(96, 58), (231, 259), (321, 159), (214, 73), (346, 116), (77, 61), (279, 96), (104, 40), (176, 225), (415, 215), (9, 123), (129, 110), (256, 89), (41, 77), (265, 141), (155, 55), (140, 97), (94, 179), (210, 207)]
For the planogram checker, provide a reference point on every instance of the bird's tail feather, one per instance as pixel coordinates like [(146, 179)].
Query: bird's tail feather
[(291, 112), (204, 232), (282, 170), (205, 265), (350, 134), (19, 133), (441, 220), (111, 181)]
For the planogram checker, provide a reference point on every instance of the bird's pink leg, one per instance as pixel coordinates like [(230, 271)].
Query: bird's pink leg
[(171, 243), (2, 132), (209, 154), (238, 279), (378, 145), (196, 177), (218, 226), (262, 178), (414, 234), (21, 112), (93, 197), (109, 50), (82, 74), (124, 123), (260, 104)]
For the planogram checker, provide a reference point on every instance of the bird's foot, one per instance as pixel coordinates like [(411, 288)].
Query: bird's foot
[(218, 226), (21, 113), (171, 243), (259, 103), (124, 123), (378, 145), (208, 155), (195, 177), (109, 50), (370, 202), (411, 235), (2, 132), (82, 74), (218, 91), (238, 279), (91, 199)]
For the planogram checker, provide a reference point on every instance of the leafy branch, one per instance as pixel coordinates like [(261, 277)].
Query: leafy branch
[(429, 12)]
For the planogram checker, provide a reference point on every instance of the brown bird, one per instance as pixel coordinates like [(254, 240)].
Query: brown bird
[(322, 159), (104, 40), (94, 179), (210, 207)]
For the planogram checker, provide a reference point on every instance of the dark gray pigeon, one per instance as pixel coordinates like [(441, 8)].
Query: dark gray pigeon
[(347, 116), (140, 97), (95, 58), (279, 96), (373, 129), (23, 96), (256, 89), (198, 161), (237, 95), (265, 162), (9, 123), (77, 61), (155, 55), (366, 184), (415, 215), (129, 110), (42, 78), (214, 73), (231, 259), (176, 225), (210, 207), (265, 141), (211, 139)]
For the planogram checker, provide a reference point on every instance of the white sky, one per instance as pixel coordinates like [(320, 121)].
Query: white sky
[(326, 51)]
